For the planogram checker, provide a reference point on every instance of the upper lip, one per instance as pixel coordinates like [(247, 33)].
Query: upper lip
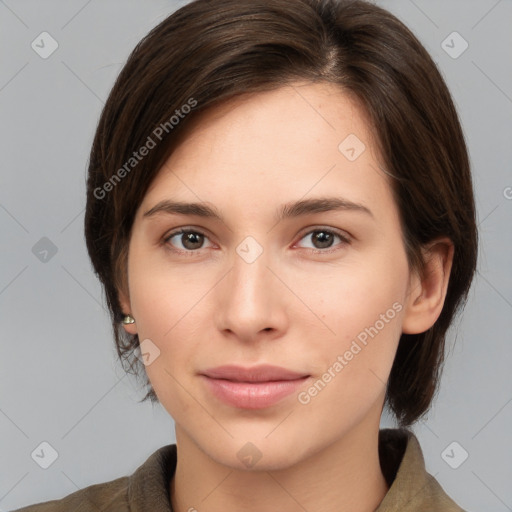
[(260, 373)]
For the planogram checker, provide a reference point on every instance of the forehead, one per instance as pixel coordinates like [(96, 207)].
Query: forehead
[(296, 140), (301, 110)]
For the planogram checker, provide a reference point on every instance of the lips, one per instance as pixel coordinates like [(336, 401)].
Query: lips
[(261, 373), (258, 387)]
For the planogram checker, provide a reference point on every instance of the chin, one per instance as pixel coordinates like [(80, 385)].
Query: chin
[(255, 452)]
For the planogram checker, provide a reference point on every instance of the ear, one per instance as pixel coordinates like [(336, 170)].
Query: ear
[(126, 308), (426, 295)]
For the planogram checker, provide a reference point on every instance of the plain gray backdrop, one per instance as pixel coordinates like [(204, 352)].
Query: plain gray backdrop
[(60, 380)]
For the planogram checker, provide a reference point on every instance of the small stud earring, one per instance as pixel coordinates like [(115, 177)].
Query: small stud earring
[(128, 319)]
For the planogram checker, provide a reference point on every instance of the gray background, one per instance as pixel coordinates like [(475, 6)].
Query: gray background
[(60, 381)]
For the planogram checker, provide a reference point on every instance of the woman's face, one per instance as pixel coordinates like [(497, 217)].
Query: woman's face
[(321, 290)]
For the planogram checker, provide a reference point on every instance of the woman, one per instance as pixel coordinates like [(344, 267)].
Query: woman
[(280, 210)]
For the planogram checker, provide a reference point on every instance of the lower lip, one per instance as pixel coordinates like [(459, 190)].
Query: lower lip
[(252, 395)]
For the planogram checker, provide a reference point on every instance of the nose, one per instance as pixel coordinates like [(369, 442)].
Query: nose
[(251, 302)]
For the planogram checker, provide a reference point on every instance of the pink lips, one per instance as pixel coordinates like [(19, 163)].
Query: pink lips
[(252, 388)]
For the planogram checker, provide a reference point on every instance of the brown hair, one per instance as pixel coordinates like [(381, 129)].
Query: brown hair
[(209, 51)]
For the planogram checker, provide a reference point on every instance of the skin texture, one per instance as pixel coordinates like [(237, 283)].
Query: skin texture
[(291, 307)]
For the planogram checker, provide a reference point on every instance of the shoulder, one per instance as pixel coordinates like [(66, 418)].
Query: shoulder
[(105, 496)]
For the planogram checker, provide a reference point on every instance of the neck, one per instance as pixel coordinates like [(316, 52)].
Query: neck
[(343, 476)]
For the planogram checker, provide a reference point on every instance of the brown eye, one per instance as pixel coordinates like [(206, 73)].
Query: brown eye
[(190, 240), (324, 239)]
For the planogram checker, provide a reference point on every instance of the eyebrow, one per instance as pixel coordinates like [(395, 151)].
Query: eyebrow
[(288, 210)]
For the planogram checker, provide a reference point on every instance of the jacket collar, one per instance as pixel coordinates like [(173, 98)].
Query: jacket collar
[(411, 487)]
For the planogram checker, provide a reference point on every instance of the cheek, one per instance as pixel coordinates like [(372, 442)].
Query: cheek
[(363, 309), (167, 307), (353, 298), (160, 294)]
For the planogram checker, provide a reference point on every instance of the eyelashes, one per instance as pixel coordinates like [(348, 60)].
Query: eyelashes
[(196, 236)]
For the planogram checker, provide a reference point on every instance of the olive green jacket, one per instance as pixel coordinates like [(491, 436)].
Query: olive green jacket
[(411, 488)]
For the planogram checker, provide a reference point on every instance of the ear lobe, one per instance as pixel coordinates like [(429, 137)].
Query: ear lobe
[(126, 308), (426, 294)]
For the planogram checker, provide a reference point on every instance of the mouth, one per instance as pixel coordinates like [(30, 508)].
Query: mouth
[(260, 373), (254, 388)]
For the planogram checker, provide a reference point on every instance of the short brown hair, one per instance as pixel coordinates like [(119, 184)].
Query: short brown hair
[(209, 51)]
